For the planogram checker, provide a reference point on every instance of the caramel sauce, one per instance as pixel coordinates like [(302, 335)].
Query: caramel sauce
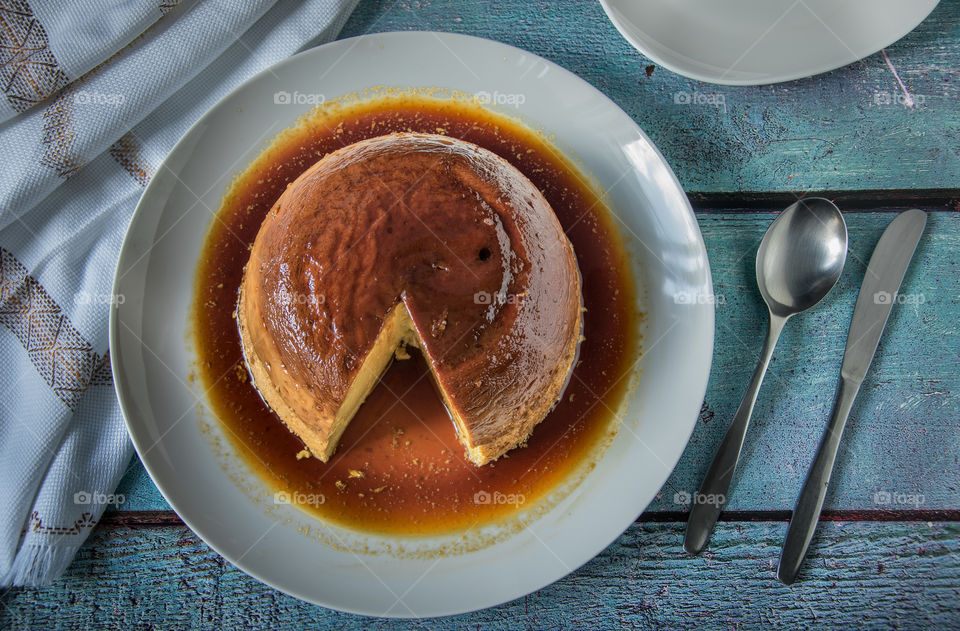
[(399, 467)]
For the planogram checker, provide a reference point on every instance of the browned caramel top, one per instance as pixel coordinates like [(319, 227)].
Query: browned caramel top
[(453, 231)]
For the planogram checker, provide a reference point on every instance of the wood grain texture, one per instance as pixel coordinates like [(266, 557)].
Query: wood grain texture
[(871, 576), (834, 131), (902, 436)]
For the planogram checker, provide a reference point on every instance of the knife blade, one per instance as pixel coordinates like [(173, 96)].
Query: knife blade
[(878, 293)]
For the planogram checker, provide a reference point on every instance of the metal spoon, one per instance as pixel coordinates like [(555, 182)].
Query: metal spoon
[(800, 259)]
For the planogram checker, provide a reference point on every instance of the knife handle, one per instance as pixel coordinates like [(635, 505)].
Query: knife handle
[(807, 512)]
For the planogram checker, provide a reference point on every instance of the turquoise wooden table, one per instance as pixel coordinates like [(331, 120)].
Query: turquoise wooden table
[(887, 553)]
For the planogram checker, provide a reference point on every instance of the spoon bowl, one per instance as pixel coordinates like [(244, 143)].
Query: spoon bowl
[(801, 256)]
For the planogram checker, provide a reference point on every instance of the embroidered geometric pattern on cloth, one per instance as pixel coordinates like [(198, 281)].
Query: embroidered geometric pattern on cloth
[(28, 69), (86, 522), (63, 358), (59, 136), (127, 153)]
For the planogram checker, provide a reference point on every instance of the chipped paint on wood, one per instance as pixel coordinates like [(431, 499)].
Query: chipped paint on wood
[(874, 575)]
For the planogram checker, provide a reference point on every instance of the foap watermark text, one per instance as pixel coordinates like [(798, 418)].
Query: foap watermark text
[(711, 99), (96, 498), (685, 498), (698, 298), (486, 497), (86, 97), (299, 499), (298, 98), (886, 298), (500, 98), (894, 499)]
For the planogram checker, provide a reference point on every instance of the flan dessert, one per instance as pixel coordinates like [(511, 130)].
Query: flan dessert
[(415, 240)]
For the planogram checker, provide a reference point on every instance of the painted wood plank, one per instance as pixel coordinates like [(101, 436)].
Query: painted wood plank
[(874, 576), (847, 129), (903, 433), (902, 436), (850, 201)]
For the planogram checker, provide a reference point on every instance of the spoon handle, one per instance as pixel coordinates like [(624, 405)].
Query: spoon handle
[(706, 505), (807, 512)]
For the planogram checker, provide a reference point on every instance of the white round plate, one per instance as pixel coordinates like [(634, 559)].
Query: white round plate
[(152, 353), (752, 42)]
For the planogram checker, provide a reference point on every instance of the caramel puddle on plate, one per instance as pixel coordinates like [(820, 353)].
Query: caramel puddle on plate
[(399, 469)]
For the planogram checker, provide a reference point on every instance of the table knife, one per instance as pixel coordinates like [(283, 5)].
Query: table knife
[(878, 294)]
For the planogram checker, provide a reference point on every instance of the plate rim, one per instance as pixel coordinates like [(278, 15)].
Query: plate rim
[(126, 399)]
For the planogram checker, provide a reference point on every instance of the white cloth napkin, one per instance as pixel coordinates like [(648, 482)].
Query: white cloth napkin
[(96, 94)]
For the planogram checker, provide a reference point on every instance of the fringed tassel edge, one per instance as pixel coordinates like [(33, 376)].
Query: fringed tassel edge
[(38, 564)]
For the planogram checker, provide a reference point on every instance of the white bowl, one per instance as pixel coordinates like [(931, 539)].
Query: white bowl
[(752, 42)]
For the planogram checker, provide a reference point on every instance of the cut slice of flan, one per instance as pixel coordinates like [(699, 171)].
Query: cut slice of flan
[(420, 240)]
